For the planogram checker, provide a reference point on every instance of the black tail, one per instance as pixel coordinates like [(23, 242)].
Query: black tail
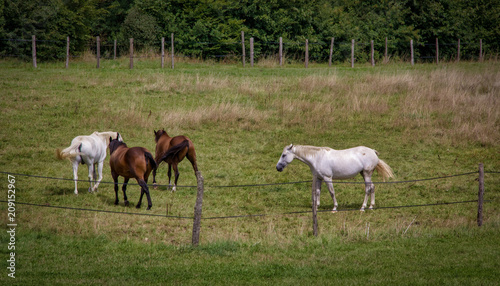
[(149, 158), (174, 151)]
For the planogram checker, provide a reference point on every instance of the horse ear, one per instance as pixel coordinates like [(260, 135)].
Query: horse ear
[(290, 147), (117, 135)]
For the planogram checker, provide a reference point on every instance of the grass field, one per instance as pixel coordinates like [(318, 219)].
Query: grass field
[(426, 121)]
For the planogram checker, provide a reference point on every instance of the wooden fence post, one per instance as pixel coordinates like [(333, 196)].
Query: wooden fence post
[(314, 208), (385, 53), (352, 53), (197, 210), (131, 53), (373, 53), (162, 51), (411, 53), (281, 51), (251, 52), (33, 49), (98, 51), (480, 196), (331, 53), (307, 53), (243, 48), (172, 40), (437, 51), (67, 52), (480, 50), (114, 49)]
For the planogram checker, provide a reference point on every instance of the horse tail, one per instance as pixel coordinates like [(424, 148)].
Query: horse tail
[(174, 151), (71, 152), (151, 160), (384, 170)]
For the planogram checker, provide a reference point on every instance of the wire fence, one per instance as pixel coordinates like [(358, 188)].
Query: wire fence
[(252, 185), (319, 51)]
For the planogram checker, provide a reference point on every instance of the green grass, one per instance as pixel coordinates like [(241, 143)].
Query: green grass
[(425, 121)]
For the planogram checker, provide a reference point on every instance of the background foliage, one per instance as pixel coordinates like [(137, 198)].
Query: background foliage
[(212, 28)]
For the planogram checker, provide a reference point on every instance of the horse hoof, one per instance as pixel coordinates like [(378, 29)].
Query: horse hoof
[(362, 210), (126, 203), (334, 211), (149, 207), (138, 206), (116, 203), (155, 186)]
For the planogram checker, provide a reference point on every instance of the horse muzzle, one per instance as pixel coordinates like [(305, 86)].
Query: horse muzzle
[(279, 167)]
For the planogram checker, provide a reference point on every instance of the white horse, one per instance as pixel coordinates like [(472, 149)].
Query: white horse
[(328, 164), (90, 150)]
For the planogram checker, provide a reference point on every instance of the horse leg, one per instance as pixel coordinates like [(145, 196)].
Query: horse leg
[(115, 180), (91, 175), (332, 194), (154, 179), (144, 190), (99, 170), (124, 189), (369, 189), (316, 187), (176, 171), (170, 175), (75, 175)]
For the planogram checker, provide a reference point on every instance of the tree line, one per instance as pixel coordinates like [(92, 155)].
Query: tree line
[(213, 27)]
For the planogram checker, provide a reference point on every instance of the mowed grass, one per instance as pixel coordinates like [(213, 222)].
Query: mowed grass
[(426, 121)]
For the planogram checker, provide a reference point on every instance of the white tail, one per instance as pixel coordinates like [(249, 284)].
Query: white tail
[(384, 170), (70, 152)]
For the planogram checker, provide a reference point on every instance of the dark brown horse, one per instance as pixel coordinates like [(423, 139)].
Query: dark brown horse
[(165, 151), (135, 162)]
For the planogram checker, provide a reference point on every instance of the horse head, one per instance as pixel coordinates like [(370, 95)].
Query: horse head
[(159, 133), (286, 158), (114, 144)]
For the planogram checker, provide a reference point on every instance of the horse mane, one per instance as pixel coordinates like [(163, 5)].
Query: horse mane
[(307, 151), (115, 143)]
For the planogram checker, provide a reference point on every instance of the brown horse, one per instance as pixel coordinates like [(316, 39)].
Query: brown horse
[(135, 162), (164, 152)]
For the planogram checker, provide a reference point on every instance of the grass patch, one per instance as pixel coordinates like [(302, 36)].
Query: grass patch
[(425, 121)]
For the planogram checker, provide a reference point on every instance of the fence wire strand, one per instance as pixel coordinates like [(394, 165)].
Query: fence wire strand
[(250, 185)]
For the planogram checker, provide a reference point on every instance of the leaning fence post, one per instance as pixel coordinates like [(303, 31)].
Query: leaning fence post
[(373, 53), (162, 51), (243, 47), (458, 51), (281, 51), (197, 210), (480, 50), (67, 52), (331, 53), (385, 53), (251, 52), (480, 196), (411, 53), (33, 49), (307, 53), (352, 53), (172, 40), (98, 51), (437, 51), (131, 53)]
